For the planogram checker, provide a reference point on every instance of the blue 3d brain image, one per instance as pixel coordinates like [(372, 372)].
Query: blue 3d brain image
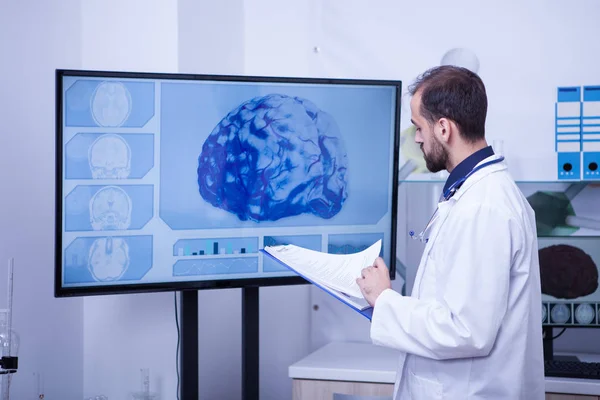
[(274, 157)]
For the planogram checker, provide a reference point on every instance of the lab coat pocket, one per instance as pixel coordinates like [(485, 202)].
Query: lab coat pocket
[(424, 389)]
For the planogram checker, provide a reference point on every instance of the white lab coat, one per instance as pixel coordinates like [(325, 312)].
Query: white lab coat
[(472, 327)]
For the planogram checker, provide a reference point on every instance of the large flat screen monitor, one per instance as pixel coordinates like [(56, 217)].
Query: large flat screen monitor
[(173, 181)]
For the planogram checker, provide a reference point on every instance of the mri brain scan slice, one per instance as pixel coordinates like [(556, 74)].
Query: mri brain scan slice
[(111, 104), (110, 209), (108, 258), (110, 157), (585, 313)]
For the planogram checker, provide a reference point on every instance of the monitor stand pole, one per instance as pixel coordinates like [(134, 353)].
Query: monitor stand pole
[(548, 343), (189, 345), (250, 344)]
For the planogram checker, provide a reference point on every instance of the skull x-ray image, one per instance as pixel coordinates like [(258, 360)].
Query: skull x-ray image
[(110, 209), (111, 104), (108, 258), (109, 157)]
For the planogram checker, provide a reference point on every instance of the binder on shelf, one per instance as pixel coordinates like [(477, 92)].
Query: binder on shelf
[(568, 132), (590, 135)]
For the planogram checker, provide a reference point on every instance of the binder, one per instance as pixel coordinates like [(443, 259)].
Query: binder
[(366, 312), (568, 132), (590, 135)]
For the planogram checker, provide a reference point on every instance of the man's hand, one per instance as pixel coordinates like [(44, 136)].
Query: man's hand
[(374, 280)]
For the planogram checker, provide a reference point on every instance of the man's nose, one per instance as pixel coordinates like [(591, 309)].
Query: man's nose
[(418, 137)]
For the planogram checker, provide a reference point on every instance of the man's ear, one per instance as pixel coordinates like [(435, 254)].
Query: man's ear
[(444, 130)]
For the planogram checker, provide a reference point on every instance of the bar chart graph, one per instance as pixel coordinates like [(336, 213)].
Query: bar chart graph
[(215, 247), (215, 256)]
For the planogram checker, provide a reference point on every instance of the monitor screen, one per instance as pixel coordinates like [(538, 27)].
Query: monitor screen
[(173, 181)]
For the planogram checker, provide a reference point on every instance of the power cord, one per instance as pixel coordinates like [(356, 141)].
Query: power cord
[(561, 332), (178, 339), (557, 336)]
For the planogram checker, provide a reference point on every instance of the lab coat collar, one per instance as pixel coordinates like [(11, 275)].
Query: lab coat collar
[(466, 165), (477, 176)]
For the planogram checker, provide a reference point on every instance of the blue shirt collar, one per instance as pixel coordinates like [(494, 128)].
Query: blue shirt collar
[(467, 165)]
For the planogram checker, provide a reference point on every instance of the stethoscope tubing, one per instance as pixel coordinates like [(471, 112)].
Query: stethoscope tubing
[(448, 193)]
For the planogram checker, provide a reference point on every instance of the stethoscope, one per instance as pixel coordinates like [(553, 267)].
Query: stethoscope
[(447, 194)]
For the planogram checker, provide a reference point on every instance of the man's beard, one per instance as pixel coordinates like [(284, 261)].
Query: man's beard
[(437, 159)]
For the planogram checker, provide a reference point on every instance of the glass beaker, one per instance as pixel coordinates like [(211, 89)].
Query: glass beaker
[(9, 347), (145, 393)]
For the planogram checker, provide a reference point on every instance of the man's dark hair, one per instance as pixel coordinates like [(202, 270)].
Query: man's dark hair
[(454, 93)]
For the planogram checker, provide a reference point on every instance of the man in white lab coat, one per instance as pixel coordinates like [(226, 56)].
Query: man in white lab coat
[(471, 328)]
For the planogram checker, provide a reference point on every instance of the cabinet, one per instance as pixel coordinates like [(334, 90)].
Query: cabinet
[(362, 371), (305, 389)]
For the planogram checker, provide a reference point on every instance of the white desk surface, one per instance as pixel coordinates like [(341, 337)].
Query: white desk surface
[(365, 362)]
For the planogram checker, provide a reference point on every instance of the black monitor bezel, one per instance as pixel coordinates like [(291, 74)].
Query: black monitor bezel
[(61, 291)]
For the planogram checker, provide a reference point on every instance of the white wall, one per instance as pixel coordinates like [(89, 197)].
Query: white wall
[(135, 35), (35, 38), (278, 38), (211, 37)]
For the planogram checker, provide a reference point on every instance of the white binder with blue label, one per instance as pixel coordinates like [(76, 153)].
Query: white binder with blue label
[(590, 135), (568, 132)]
